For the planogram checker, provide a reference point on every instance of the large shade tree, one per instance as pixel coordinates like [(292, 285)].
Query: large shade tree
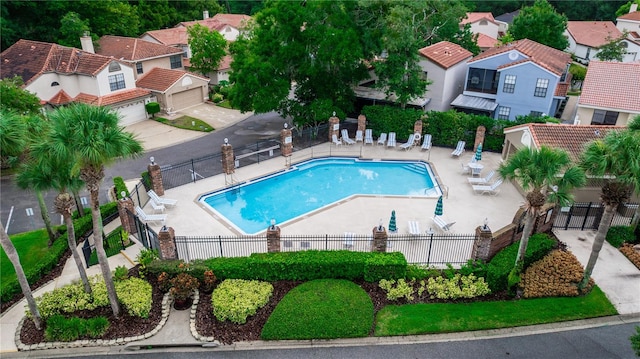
[(92, 138), (546, 175), (208, 48), (615, 159), (540, 23)]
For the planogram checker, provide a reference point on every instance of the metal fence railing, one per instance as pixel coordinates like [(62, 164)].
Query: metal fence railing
[(587, 215)]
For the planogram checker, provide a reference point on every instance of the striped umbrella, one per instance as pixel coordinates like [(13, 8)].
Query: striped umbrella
[(479, 152), (438, 211), (392, 222)]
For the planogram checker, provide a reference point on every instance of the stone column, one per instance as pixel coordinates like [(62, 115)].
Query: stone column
[(479, 137), (167, 239), (334, 127), (228, 158), (362, 123), (417, 127), (156, 177), (482, 243), (286, 141), (127, 223), (273, 239), (379, 243)]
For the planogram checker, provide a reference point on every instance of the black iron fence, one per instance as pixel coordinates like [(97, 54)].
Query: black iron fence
[(587, 215), (143, 233), (112, 242), (139, 195), (426, 249)]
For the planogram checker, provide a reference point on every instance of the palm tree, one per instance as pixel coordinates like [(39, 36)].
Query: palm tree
[(13, 137), (547, 175), (616, 159), (30, 177), (11, 252), (92, 137)]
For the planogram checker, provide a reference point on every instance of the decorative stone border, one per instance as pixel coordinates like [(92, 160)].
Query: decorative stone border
[(166, 307), (192, 319)]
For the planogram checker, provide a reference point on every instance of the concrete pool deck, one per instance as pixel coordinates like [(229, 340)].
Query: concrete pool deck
[(359, 214)]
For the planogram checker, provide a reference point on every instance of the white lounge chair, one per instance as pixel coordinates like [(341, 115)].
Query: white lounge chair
[(150, 217), (335, 140), (391, 142), (459, 149), (345, 137), (491, 189), (157, 206), (482, 180), (348, 239), (426, 142), (166, 201), (359, 136), (407, 145), (368, 137), (414, 228), (442, 224), (382, 139)]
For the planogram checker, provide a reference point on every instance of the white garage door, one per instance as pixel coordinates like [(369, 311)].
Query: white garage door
[(187, 98), (132, 113)]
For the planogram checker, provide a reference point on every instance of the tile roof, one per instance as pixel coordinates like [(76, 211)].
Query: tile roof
[(219, 21), (113, 98), (486, 41), (593, 33), (29, 59), (633, 16), (170, 37), (61, 98), (445, 54), (161, 80), (570, 138), (225, 64), (477, 16), (507, 17), (549, 58), (614, 85), (133, 49)]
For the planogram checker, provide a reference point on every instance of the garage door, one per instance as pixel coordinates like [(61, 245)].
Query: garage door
[(132, 113), (182, 100)]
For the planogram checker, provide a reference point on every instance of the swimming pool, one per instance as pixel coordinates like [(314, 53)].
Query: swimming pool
[(311, 185)]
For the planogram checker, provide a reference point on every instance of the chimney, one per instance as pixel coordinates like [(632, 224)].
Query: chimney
[(633, 8), (87, 43), (205, 14)]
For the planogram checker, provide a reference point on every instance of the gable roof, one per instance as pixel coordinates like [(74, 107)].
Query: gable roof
[(486, 41), (29, 59), (170, 37), (133, 49), (593, 33), (613, 85), (445, 54), (477, 16), (570, 138), (507, 17), (113, 98), (547, 57), (633, 16), (219, 21), (159, 79)]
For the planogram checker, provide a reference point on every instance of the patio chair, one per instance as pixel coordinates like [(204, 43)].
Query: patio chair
[(414, 228), (157, 206), (465, 168), (359, 136), (368, 137), (492, 189), (391, 142), (482, 180), (166, 201), (407, 145), (442, 224), (335, 140), (345, 137), (150, 217), (459, 149), (382, 139), (426, 142)]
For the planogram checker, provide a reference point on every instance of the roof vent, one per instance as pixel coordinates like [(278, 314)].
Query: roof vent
[(597, 133)]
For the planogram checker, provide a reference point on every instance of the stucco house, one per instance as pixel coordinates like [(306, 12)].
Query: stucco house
[(175, 90), (517, 79), (59, 75), (610, 94), (486, 42), (444, 63), (505, 20), (482, 23), (586, 37), (630, 21)]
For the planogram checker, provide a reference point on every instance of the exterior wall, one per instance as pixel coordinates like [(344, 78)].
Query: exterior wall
[(585, 114), (437, 75), (633, 52), (229, 33), (148, 65), (490, 29), (522, 101), (178, 87), (490, 63), (448, 86), (572, 42), (628, 25), (103, 79), (146, 37)]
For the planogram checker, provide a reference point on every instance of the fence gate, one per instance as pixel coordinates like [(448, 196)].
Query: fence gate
[(147, 236), (583, 215)]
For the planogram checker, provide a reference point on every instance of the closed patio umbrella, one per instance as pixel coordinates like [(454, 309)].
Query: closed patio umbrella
[(392, 222), (438, 211), (479, 152)]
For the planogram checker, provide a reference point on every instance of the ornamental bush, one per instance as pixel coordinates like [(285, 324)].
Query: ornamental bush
[(136, 296), (556, 275), (467, 286), (397, 289), (64, 329), (617, 235), (237, 299)]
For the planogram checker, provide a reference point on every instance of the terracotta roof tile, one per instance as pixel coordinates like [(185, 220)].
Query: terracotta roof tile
[(161, 80), (170, 37), (219, 21), (445, 54), (486, 41), (549, 58), (133, 49), (613, 85), (593, 33), (477, 16), (61, 98), (633, 16), (111, 99), (225, 64)]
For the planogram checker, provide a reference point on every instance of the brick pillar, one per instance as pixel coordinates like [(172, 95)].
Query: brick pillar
[(273, 239), (362, 123), (228, 158), (286, 141), (417, 127), (156, 177), (379, 243), (127, 223), (334, 127), (482, 243), (479, 137), (167, 239)]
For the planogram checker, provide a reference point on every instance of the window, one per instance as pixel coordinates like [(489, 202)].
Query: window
[(484, 22), (139, 68), (176, 61), (541, 88), (482, 80), (602, 117), (509, 83), (503, 113), (535, 114), (114, 66), (55, 83), (116, 82)]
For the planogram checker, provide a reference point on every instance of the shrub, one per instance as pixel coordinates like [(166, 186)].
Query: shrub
[(476, 267), (59, 328), (164, 282), (152, 108), (119, 187), (217, 97), (635, 341), (617, 235), (631, 254), (467, 286), (183, 285), (556, 275), (136, 296), (208, 281), (237, 299), (415, 271), (121, 273), (145, 257), (397, 289)]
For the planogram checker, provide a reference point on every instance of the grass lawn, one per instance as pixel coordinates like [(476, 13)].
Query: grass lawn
[(449, 317), (112, 246), (321, 309), (187, 123), (31, 247)]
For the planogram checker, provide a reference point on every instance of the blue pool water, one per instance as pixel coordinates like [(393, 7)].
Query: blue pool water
[(314, 184)]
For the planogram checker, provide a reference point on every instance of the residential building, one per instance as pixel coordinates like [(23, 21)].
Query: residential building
[(630, 23), (59, 75), (486, 42), (481, 23), (517, 79), (586, 37), (175, 90), (505, 20), (610, 94), (228, 25)]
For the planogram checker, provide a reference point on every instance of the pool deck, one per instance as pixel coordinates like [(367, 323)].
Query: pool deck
[(359, 214)]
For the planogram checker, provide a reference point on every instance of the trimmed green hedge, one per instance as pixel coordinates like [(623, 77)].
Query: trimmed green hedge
[(120, 187), (617, 235)]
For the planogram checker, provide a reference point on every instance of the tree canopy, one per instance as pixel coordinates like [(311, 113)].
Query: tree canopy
[(613, 50), (541, 23), (208, 48)]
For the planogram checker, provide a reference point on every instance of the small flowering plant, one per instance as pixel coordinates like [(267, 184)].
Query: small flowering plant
[(209, 279), (183, 286)]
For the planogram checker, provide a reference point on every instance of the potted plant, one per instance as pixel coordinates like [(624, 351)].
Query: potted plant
[(209, 279), (182, 289)]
